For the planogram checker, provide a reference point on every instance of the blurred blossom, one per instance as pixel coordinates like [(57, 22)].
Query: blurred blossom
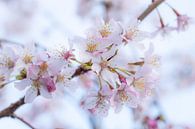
[(19, 15)]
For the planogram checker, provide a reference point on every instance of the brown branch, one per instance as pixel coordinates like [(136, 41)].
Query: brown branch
[(107, 5), (9, 111), (22, 120), (150, 8)]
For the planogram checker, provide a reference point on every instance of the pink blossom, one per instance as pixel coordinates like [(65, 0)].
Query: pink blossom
[(152, 124), (101, 39), (125, 95), (27, 56), (97, 102), (134, 34), (63, 78), (49, 83), (8, 58), (150, 58), (38, 80), (182, 22)]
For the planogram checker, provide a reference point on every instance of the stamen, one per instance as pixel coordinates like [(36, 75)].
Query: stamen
[(43, 67), (27, 59), (92, 47), (139, 83), (123, 96), (105, 31)]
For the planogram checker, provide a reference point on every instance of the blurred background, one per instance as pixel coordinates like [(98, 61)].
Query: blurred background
[(53, 22)]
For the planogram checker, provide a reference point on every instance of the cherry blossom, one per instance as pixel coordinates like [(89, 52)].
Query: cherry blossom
[(41, 71), (62, 79), (101, 39), (98, 102), (183, 22), (37, 83), (121, 82), (26, 56), (133, 33), (8, 58), (125, 95)]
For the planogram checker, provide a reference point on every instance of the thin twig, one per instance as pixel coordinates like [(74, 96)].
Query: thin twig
[(150, 8), (20, 44), (107, 5), (10, 42), (22, 120)]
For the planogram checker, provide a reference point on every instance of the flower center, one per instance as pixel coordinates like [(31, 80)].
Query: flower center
[(123, 96), (92, 47), (67, 55), (43, 67), (154, 61), (27, 59), (131, 33), (105, 31), (9, 63), (139, 83), (60, 78)]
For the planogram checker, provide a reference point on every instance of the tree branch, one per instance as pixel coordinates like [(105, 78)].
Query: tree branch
[(9, 111), (22, 120), (150, 8)]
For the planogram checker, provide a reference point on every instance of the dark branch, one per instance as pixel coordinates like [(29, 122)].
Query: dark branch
[(12, 108), (150, 8)]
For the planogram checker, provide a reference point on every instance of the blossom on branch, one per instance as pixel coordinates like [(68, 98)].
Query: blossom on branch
[(121, 81)]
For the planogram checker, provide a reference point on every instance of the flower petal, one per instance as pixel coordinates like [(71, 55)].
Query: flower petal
[(21, 85), (31, 94), (90, 102), (44, 92)]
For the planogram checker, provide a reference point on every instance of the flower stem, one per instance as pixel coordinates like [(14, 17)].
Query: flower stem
[(22, 120), (12, 108)]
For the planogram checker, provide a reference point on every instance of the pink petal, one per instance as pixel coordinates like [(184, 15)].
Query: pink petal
[(44, 92), (49, 83)]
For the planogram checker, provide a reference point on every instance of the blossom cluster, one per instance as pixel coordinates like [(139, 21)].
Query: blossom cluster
[(118, 8), (123, 79), (182, 22), (40, 71), (124, 71)]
